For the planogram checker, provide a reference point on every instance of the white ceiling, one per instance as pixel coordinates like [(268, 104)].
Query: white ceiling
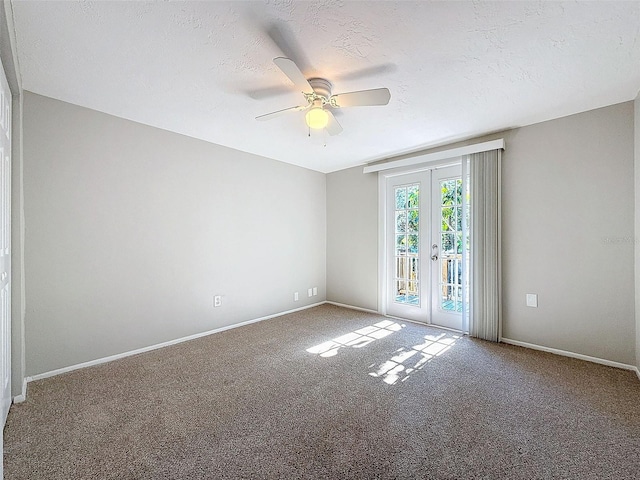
[(455, 69)]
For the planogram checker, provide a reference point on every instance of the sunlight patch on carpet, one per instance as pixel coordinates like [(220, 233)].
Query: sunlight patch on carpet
[(356, 339), (408, 360)]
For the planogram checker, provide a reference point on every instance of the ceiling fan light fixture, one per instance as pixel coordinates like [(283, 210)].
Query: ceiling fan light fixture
[(317, 118)]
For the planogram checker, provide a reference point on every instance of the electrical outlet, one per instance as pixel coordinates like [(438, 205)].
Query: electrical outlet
[(217, 300), (295, 296), (315, 291), (310, 292), (532, 300)]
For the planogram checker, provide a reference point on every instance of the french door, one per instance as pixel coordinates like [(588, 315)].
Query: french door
[(424, 242), (447, 238), (407, 210)]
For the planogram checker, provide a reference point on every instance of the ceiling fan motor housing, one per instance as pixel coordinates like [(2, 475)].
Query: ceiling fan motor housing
[(321, 87)]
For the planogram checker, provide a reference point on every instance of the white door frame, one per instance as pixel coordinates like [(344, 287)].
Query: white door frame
[(6, 121), (383, 175)]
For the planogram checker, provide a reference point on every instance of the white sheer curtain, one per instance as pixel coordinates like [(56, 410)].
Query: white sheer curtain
[(484, 316)]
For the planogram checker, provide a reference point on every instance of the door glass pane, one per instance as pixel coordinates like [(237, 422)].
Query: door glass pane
[(401, 291), (401, 244), (412, 247), (412, 293), (407, 219), (448, 189), (413, 268), (446, 272), (401, 198), (413, 196), (413, 218), (401, 267), (448, 219), (448, 243), (450, 273), (401, 221), (447, 302)]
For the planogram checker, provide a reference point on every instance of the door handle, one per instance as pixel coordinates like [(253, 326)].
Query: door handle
[(434, 252)]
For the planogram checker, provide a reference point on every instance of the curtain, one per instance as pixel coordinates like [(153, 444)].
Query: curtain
[(484, 239)]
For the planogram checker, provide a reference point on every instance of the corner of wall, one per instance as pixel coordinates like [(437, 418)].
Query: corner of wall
[(352, 219)]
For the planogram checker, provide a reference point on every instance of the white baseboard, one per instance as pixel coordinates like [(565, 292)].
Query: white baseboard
[(118, 356), (564, 353), (23, 396), (344, 305)]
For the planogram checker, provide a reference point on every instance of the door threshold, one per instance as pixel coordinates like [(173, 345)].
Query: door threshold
[(427, 324)]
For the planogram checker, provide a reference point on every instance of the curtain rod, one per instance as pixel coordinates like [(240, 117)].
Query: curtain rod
[(442, 155)]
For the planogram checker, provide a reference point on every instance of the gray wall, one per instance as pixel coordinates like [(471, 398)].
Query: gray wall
[(352, 234), (131, 230), (567, 222), (567, 233)]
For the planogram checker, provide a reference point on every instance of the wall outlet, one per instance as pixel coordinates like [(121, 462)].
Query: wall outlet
[(217, 300), (295, 296), (310, 292), (532, 300), (315, 291)]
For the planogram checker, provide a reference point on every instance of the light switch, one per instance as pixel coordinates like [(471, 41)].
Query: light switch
[(532, 300)]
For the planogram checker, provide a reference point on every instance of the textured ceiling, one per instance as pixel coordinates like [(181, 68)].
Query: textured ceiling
[(455, 69)]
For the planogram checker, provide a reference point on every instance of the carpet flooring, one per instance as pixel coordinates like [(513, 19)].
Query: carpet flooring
[(330, 393)]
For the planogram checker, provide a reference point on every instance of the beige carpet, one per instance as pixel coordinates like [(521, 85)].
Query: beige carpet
[(330, 393)]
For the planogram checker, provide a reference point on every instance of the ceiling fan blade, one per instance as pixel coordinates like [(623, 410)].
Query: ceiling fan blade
[(363, 98), (269, 116), (291, 70), (368, 72), (333, 127)]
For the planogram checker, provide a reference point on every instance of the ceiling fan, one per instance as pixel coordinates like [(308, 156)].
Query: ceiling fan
[(320, 100)]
